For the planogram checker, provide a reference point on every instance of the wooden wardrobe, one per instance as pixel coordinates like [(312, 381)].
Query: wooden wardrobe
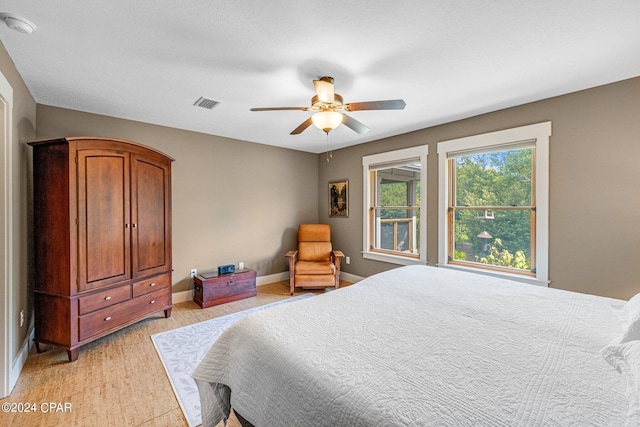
[(102, 238)]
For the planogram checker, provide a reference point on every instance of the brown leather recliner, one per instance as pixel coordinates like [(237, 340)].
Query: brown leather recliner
[(314, 265)]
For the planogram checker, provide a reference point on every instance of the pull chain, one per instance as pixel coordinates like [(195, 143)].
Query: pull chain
[(329, 150)]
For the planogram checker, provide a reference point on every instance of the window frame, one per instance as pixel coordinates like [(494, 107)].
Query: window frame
[(538, 133), (419, 152)]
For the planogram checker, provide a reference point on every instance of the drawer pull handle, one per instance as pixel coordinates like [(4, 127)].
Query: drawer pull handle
[(107, 298), (106, 319), (152, 301), (152, 284)]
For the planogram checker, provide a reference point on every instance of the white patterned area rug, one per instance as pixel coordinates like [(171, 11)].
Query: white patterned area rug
[(182, 349)]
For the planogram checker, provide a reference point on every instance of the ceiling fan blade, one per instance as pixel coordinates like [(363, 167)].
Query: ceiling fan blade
[(280, 109), (353, 124), (304, 125), (391, 104), (324, 89)]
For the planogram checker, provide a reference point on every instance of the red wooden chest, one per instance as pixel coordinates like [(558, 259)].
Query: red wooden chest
[(214, 289)]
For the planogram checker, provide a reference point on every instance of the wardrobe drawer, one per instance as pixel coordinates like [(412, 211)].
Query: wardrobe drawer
[(151, 302), (151, 285), (102, 299), (124, 313), (103, 320)]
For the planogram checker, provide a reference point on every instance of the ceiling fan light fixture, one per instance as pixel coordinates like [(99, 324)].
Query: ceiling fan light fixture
[(327, 120), (328, 105)]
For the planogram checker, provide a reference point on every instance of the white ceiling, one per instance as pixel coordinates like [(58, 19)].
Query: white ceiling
[(150, 60)]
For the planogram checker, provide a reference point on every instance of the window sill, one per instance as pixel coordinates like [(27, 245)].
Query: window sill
[(393, 259), (499, 274)]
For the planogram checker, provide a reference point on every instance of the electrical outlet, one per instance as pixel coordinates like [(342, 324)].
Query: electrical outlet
[(21, 318), (240, 265), (347, 260), (194, 272)]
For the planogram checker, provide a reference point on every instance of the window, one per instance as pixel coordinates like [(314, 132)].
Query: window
[(395, 206), (493, 213)]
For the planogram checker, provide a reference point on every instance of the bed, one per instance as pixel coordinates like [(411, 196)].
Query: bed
[(428, 346)]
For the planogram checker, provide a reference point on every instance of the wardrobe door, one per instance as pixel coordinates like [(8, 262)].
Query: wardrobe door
[(151, 215), (104, 226)]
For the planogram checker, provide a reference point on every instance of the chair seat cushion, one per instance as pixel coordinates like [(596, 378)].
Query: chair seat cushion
[(309, 267)]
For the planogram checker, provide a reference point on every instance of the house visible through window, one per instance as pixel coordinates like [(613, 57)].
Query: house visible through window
[(494, 202), (394, 206)]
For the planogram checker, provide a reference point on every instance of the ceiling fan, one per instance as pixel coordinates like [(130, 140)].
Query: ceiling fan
[(328, 107)]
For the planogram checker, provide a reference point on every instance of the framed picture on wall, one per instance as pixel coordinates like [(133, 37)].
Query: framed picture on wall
[(339, 198)]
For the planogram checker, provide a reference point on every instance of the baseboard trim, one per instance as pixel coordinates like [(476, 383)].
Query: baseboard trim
[(185, 296), (348, 277), (272, 278), (21, 359)]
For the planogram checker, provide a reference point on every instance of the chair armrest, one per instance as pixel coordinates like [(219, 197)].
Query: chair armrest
[(293, 258), (337, 256)]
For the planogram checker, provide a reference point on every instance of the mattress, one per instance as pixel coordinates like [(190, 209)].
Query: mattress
[(421, 346)]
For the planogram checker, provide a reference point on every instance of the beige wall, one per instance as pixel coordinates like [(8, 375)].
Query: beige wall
[(232, 200), (594, 191), (24, 118)]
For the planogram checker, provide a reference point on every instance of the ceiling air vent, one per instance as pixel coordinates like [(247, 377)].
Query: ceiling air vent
[(209, 104)]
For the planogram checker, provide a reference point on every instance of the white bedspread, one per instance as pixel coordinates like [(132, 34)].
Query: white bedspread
[(420, 346)]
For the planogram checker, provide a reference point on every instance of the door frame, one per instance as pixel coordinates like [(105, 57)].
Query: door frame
[(6, 229)]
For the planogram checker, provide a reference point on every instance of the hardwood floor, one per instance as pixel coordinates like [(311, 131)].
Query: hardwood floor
[(117, 380)]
